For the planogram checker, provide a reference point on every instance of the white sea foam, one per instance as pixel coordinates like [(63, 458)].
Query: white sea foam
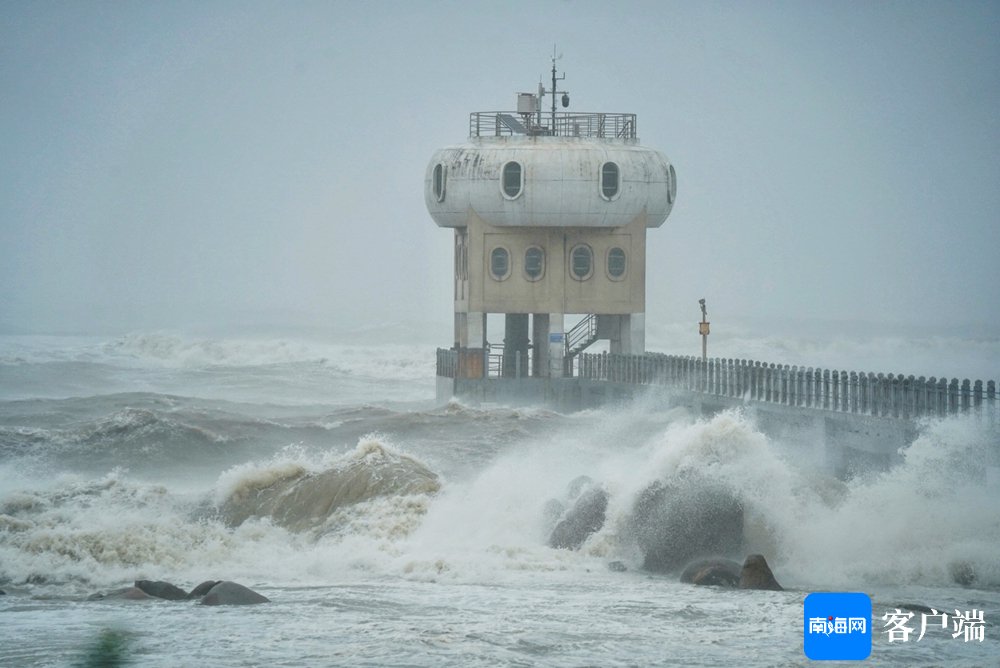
[(387, 361)]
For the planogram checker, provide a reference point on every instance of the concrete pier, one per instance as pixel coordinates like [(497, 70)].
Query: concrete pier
[(851, 422)]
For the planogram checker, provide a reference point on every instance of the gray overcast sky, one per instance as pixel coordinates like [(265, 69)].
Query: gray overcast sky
[(164, 164)]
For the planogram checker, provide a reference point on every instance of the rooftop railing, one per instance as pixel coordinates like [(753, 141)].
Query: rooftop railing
[(564, 124)]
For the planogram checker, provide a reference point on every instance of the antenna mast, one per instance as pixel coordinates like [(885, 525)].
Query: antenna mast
[(553, 92)]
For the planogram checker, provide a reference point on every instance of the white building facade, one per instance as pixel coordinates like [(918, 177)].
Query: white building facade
[(549, 227)]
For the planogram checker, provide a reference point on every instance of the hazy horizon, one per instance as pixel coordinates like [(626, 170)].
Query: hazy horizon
[(235, 165)]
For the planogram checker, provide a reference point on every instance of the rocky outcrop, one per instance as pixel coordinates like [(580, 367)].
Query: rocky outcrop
[(685, 518), (584, 518), (753, 574), (161, 589), (232, 593), (203, 588), (756, 574), (962, 573), (716, 572), (210, 592)]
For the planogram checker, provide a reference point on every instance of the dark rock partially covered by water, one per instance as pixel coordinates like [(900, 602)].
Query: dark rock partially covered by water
[(203, 588), (210, 592), (161, 589), (584, 518), (617, 566), (684, 518), (716, 572), (232, 593), (962, 573), (753, 574), (756, 574)]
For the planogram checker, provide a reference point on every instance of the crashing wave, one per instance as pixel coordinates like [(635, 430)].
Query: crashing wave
[(297, 499)]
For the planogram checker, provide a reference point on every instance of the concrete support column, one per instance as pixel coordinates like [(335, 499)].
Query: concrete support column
[(470, 329), (470, 337), (636, 334), (515, 345), (626, 334), (556, 344), (540, 344)]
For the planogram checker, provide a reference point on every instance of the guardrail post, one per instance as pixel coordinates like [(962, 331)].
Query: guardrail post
[(966, 395), (853, 408), (907, 408), (920, 398), (991, 399), (835, 390), (793, 394), (844, 389), (953, 396)]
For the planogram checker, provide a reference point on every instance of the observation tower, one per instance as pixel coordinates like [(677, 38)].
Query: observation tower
[(549, 211)]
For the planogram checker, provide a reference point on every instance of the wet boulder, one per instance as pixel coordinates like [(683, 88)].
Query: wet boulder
[(161, 589), (715, 571), (685, 518), (232, 593), (584, 518), (203, 588), (756, 574), (962, 573)]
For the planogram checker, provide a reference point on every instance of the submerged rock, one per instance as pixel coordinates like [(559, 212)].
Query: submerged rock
[(126, 594), (232, 593), (756, 574), (685, 518), (584, 518), (161, 589), (714, 571), (962, 573), (617, 566)]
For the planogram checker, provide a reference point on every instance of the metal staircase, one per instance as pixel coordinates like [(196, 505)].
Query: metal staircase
[(581, 336)]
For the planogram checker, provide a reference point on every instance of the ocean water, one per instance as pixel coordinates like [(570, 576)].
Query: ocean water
[(125, 458)]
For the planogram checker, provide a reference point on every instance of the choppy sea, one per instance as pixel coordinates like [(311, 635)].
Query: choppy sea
[(117, 454)]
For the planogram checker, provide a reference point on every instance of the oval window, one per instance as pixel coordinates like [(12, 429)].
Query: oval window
[(500, 263), (534, 263), (439, 182), (609, 180), (672, 190), (581, 262), (616, 263), (513, 179)]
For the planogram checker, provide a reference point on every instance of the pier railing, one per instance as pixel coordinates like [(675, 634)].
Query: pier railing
[(880, 395)]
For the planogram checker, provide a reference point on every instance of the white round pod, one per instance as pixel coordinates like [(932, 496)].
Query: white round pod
[(548, 182)]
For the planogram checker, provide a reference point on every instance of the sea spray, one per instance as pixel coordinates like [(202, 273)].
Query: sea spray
[(911, 524)]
